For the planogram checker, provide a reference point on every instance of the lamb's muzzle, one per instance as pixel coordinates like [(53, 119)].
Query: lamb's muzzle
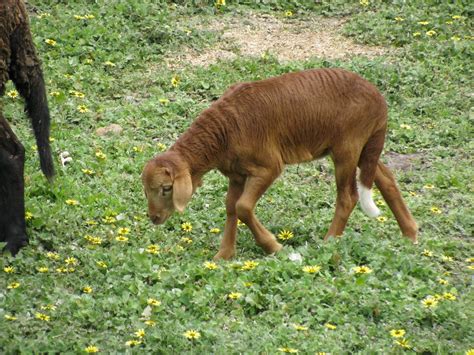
[(256, 128)]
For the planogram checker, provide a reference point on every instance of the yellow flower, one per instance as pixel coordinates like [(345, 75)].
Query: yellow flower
[(52, 255), (240, 223), (455, 38), (13, 94), (133, 342), (100, 155), (77, 94), (175, 81), (79, 17), (470, 352), (140, 333), (71, 202), (427, 252), (403, 343), (82, 108), (470, 260), (42, 316), (13, 285), (48, 307), (215, 230), (435, 210), (61, 270), (42, 269), (288, 350), (89, 17), (413, 193), (93, 240), (456, 17), (300, 327), (362, 269), (71, 261), (68, 76), (416, 34), (248, 284), (87, 289), (443, 281), (447, 258), (210, 265), (9, 317), (150, 323), (164, 101), (288, 13), (449, 296), (330, 326), (44, 14), (153, 249), (109, 219), (153, 302), (101, 264), (311, 269), (187, 227), (186, 240), (249, 265), (429, 302), (285, 235), (110, 64), (382, 219), (406, 126), (397, 333), (234, 295), (9, 269), (423, 23), (137, 149), (430, 33), (55, 93), (220, 3), (123, 231), (399, 19), (51, 42), (449, 22), (192, 334), (364, 2), (91, 349), (161, 147), (121, 238)]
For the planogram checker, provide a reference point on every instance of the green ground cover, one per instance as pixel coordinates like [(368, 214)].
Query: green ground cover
[(98, 274)]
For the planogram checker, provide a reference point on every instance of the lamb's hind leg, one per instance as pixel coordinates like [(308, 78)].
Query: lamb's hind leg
[(254, 188), (347, 195)]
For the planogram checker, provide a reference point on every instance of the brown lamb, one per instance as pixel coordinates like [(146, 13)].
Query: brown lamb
[(19, 62), (256, 128)]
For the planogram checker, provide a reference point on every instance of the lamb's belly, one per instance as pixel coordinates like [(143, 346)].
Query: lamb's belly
[(298, 155)]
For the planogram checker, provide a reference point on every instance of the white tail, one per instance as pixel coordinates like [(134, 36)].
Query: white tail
[(366, 201)]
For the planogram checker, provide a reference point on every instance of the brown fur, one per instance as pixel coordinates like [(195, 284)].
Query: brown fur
[(256, 128)]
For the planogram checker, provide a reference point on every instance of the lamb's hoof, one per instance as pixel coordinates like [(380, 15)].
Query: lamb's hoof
[(272, 248), (225, 254)]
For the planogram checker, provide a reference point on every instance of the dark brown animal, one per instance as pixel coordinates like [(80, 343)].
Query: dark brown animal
[(19, 62), (256, 128)]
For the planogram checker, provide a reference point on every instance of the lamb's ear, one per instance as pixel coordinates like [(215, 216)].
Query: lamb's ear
[(182, 191)]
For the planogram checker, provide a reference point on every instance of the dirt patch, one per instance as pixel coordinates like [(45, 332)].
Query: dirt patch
[(403, 162), (288, 40)]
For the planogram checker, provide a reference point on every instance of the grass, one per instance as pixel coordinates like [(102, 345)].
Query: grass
[(97, 272)]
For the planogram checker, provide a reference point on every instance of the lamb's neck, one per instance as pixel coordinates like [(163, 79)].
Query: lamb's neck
[(201, 146)]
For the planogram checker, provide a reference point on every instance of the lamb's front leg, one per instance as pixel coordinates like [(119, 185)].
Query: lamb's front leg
[(254, 188), (227, 249)]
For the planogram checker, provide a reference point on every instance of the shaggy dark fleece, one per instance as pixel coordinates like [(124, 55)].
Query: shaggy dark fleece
[(19, 62)]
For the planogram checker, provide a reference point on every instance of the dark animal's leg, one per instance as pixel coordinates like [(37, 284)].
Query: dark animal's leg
[(25, 71), (12, 206), (227, 249)]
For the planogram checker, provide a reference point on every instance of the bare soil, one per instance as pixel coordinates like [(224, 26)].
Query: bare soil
[(287, 39)]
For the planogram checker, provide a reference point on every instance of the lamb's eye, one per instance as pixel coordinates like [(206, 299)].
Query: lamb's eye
[(166, 189)]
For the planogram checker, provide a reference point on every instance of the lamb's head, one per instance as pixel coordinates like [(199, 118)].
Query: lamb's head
[(168, 186)]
